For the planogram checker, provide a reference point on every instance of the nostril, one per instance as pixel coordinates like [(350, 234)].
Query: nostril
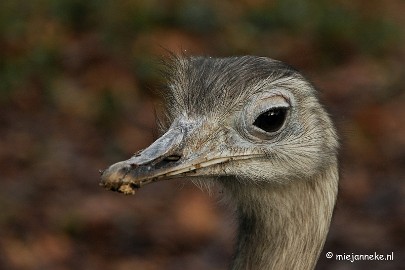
[(172, 158)]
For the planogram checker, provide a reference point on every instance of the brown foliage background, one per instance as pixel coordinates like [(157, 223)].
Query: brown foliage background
[(75, 81)]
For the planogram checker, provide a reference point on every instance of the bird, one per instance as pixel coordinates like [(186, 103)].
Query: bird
[(255, 127)]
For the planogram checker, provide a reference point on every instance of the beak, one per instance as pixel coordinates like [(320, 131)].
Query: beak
[(164, 160)]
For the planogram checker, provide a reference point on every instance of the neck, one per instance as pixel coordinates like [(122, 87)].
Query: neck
[(284, 226)]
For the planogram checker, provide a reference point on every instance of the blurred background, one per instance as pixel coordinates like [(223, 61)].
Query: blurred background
[(76, 95)]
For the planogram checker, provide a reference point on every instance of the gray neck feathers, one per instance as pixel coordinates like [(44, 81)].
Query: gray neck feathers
[(283, 226)]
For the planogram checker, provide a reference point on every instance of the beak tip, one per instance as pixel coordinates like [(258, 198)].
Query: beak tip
[(127, 189), (113, 179)]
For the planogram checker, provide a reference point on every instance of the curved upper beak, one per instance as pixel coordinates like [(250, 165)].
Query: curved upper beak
[(164, 159)]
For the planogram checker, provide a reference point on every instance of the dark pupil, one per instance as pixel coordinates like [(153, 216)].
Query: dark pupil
[(271, 120)]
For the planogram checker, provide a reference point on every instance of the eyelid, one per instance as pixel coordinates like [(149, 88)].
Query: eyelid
[(272, 102), (277, 101), (272, 108)]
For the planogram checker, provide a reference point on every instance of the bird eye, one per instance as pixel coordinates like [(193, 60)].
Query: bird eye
[(271, 120)]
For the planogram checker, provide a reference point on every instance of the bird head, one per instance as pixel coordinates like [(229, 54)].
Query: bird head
[(251, 119)]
